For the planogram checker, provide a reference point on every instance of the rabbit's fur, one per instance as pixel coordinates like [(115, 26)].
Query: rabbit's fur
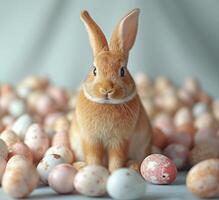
[(110, 124)]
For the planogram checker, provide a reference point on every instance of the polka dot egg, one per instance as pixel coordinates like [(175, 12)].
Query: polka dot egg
[(91, 180), (158, 169)]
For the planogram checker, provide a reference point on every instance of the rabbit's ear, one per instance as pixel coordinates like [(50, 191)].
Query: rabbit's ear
[(125, 32), (98, 41)]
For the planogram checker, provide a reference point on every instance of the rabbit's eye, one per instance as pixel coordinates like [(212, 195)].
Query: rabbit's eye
[(95, 71), (122, 71)]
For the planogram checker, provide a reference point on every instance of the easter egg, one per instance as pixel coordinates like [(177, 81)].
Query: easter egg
[(203, 179), (126, 183), (199, 108), (3, 149), (91, 180), (205, 120), (21, 125), (62, 151), (61, 178), (60, 138), (20, 177), (183, 116), (181, 138), (206, 134), (46, 165), (37, 140), (158, 169), (178, 153)]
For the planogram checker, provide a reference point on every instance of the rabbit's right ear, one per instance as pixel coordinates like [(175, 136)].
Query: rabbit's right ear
[(97, 39), (123, 37)]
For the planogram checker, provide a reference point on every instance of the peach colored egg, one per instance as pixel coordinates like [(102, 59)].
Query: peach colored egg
[(20, 148), (50, 119), (63, 151), (37, 140), (203, 179), (21, 125), (9, 137), (192, 85), (91, 180), (6, 89), (62, 124), (5, 101), (205, 120), (165, 123), (183, 116), (32, 100), (2, 167), (159, 138), (170, 102), (7, 121), (35, 82), (60, 138), (162, 83), (181, 138), (20, 177), (3, 149), (61, 178), (206, 134), (203, 151), (178, 153), (158, 169), (186, 97)]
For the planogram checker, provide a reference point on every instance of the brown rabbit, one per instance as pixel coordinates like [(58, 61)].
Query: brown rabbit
[(110, 121)]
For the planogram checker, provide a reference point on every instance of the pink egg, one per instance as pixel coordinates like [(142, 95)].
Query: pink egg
[(20, 148), (178, 153), (182, 138), (61, 178), (158, 169)]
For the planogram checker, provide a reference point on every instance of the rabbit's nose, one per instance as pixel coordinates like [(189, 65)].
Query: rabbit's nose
[(106, 91)]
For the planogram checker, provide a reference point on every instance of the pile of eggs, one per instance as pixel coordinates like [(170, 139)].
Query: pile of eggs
[(35, 117)]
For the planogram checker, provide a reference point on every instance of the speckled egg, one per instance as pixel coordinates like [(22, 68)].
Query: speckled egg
[(203, 179), (204, 151), (61, 178), (3, 149), (2, 167), (127, 184), (9, 137), (158, 169), (20, 148), (63, 151), (37, 140), (91, 180), (21, 125), (47, 164), (20, 177), (178, 153)]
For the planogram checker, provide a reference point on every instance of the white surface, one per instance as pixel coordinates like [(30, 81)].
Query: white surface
[(176, 191)]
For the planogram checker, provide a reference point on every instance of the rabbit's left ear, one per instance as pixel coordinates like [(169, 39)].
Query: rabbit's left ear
[(124, 35)]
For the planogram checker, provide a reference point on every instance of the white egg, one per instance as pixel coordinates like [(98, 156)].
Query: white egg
[(125, 184), (21, 125), (47, 164), (3, 149), (63, 151), (17, 107), (91, 180)]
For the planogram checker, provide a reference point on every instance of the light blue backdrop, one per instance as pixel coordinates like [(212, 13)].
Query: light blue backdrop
[(175, 38)]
